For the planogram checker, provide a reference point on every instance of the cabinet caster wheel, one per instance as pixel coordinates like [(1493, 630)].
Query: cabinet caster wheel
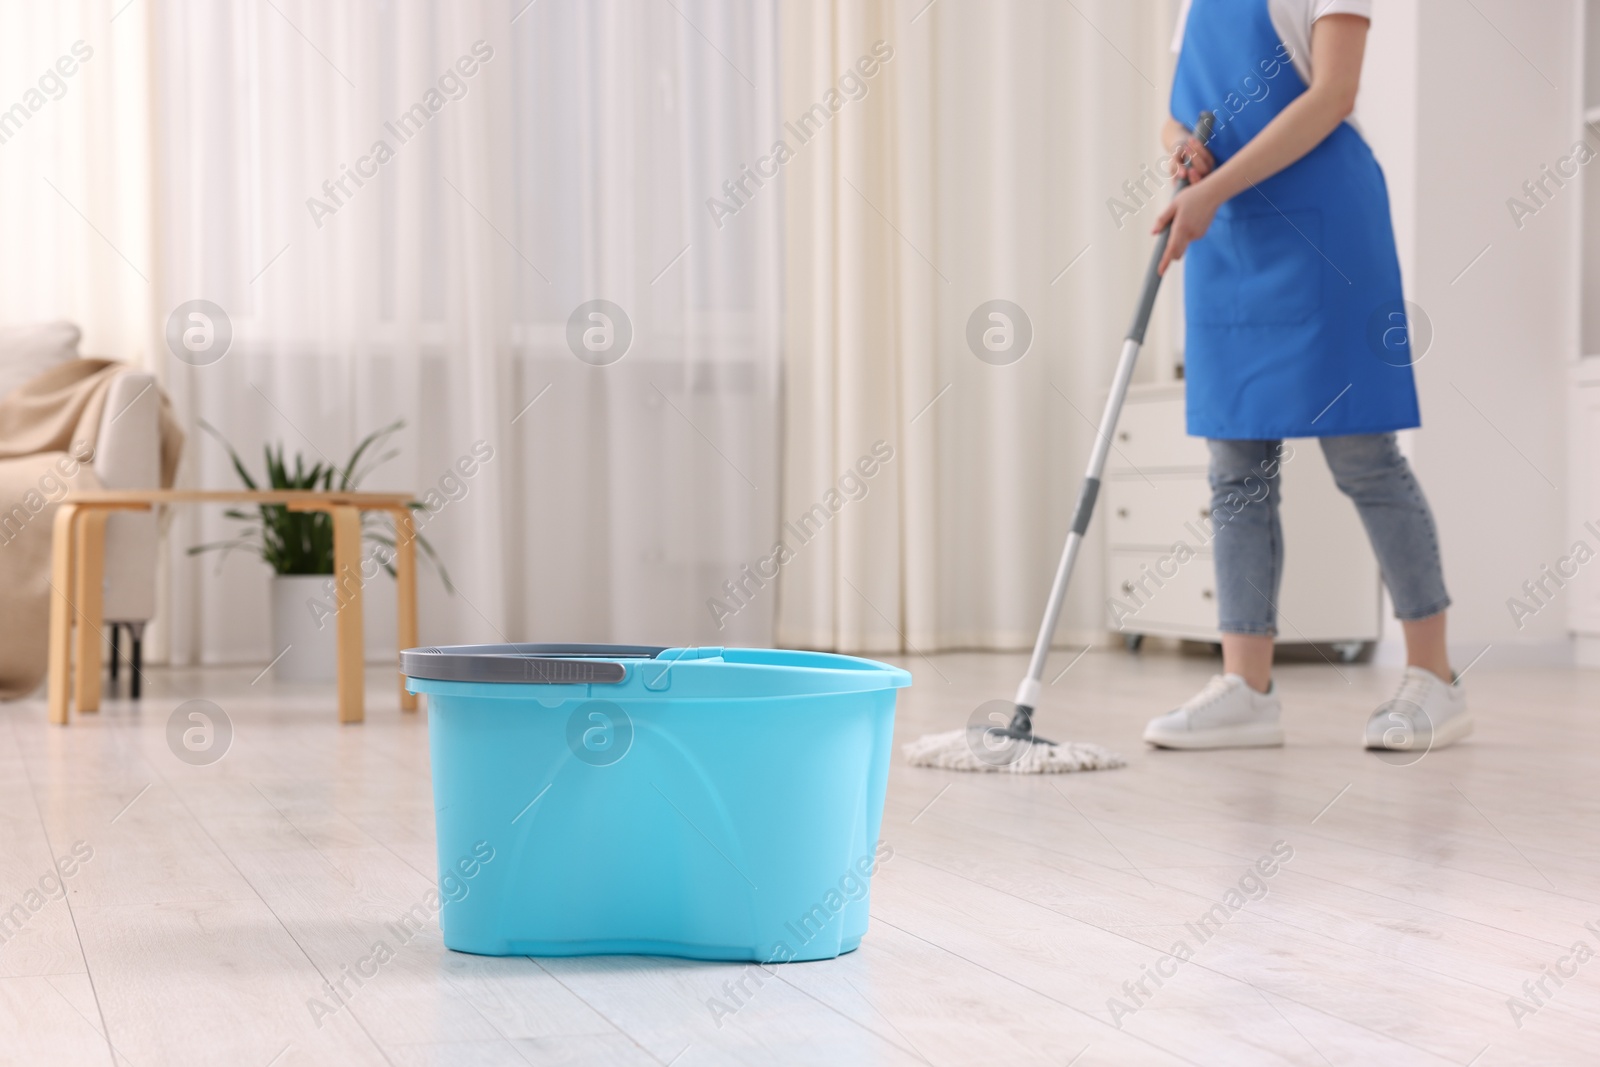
[(1349, 651), (1133, 642)]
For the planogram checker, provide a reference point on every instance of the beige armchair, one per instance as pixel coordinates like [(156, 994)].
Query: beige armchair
[(127, 456)]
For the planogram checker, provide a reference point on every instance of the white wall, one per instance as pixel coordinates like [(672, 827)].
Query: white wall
[(1463, 103)]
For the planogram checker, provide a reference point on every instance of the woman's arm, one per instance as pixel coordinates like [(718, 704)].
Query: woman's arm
[(1338, 43)]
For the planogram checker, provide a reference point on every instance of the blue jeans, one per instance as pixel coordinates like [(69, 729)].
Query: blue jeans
[(1248, 545)]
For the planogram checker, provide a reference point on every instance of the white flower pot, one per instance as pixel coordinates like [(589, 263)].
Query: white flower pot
[(303, 623)]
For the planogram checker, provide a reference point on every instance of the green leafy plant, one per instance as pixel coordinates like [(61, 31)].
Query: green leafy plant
[(301, 542)]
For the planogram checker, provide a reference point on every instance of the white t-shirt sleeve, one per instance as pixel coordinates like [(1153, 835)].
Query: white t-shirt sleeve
[(1292, 19), (1177, 32)]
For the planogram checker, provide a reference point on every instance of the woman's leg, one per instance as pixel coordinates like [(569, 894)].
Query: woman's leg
[(1248, 550), (1238, 708), (1250, 657), (1425, 645), (1371, 471)]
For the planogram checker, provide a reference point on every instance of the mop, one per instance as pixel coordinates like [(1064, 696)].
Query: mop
[(1013, 748)]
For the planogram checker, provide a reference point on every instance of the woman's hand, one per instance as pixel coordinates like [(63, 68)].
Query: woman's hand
[(1190, 159), (1190, 214), (1186, 156)]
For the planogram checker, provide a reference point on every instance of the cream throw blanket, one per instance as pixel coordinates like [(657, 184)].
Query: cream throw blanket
[(49, 429)]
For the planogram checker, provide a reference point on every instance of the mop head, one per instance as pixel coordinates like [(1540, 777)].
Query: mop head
[(957, 750)]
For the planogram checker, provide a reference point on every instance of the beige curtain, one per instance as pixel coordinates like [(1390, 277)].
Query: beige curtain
[(976, 164)]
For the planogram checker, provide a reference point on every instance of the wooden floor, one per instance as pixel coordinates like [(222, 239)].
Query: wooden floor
[(1013, 924)]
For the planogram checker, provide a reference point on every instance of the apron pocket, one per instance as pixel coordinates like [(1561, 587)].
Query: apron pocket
[(1265, 270)]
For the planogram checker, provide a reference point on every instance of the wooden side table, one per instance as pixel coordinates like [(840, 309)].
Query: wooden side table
[(77, 567)]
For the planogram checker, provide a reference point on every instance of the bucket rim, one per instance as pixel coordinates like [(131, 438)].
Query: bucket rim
[(609, 664)]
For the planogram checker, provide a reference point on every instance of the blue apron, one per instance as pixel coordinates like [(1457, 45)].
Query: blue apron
[(1296, 326)]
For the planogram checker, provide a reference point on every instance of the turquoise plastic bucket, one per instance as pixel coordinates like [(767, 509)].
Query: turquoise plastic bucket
[(710, 803)]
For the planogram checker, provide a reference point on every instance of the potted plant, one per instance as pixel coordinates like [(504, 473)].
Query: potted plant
[(298, 546)]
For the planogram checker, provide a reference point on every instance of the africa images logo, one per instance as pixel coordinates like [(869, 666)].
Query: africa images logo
[(999, 332), (199, 332)]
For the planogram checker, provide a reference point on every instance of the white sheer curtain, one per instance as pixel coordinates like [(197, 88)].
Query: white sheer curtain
[(572, 164), (977, 167)]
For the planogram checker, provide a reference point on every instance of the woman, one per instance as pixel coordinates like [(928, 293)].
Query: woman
[(1294, 308)]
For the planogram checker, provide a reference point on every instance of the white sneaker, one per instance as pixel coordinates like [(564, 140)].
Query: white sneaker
[(1426, 713), (1227, 713)]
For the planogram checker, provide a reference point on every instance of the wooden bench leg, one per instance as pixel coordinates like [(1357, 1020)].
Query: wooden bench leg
[(405, 568), (90, 559), (347, 594), (58, 680)]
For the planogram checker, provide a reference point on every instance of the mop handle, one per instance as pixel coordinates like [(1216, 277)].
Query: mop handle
[(1152, 278), (1028, 692)]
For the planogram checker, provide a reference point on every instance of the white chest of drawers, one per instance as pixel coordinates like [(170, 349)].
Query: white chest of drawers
[(1159, 571), (1583, 494)]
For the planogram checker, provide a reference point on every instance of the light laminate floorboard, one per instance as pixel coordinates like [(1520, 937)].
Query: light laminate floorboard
[(1014, 916)]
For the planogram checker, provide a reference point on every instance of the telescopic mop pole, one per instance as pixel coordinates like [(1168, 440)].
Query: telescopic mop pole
[(1028, 692)]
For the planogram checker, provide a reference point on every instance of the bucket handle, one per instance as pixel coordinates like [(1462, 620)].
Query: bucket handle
[(539, 664)]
